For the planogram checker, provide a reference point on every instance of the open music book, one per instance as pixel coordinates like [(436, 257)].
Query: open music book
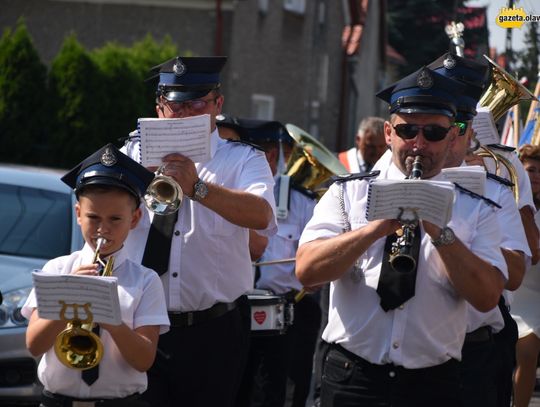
[(55, 290), (472, 177), (484, 126), (189, 136), (430, 200)]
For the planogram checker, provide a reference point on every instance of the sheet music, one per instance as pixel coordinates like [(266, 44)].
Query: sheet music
[(472, 177), (100, 292), (189, 136), (432, 200), (484, 126)]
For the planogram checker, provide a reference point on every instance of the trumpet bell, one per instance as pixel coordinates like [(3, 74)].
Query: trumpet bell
[(503, 92), (311, 163), (78, 348), (163, 196)]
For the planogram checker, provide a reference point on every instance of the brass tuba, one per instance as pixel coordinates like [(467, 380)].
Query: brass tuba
[(311, 164), (503, 92), (163, 196), (77, 347), (499, 159)]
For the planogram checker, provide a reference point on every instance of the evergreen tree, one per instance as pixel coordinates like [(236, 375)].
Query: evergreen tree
[(78, 102), (146, 54), (124, 88), (22, 98)]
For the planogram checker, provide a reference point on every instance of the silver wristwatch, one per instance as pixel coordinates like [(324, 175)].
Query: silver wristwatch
[(200, 190), (446, 237)]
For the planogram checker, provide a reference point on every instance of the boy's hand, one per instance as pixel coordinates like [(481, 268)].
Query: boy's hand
[(86, 270)]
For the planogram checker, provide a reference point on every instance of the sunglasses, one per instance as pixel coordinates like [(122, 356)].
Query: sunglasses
[(431, 132), (191, 105)]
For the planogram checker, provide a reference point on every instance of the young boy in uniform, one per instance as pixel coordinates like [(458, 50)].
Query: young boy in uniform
[(108, 186)]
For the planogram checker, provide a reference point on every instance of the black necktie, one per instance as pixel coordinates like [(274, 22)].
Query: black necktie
[(395, 287), (158, 246), (89, 376)]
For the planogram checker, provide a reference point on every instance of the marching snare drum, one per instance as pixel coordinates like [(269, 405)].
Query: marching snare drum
[(270, 314)]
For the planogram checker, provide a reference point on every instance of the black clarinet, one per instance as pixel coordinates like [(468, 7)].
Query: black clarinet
[(401, 258)]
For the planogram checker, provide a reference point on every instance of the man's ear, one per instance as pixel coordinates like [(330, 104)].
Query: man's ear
[(137, 214), (388, 132)]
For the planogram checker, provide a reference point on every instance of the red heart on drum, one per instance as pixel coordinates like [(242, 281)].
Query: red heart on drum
[(259, 316)]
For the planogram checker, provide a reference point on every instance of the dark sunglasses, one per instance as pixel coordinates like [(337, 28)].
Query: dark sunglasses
[(432, 132)]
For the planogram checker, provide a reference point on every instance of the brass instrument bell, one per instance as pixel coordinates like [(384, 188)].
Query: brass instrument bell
[(163, 196), (311, 163), (77, 347), (504, 91)]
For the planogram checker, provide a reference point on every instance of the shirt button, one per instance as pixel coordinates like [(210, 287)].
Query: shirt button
[(401, 306), (177, 233), (175, 274), (391, 373), (395, 345)]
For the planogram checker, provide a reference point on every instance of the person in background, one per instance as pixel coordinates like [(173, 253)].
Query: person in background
[(281, 364), (526, 305), (201, 251), (108, 186), (488, 354), (369, 146)]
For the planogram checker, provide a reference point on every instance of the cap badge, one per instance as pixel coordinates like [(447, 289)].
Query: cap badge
[(108, 158), (179, 67), (449, 62), (424, 80)]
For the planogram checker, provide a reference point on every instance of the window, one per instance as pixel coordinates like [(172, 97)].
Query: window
[(34, 222), (262, 107)]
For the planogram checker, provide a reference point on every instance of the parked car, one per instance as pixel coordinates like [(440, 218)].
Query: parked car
[(37, 223)]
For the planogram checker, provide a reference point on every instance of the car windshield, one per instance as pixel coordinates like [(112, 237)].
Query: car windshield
[(34, 222)]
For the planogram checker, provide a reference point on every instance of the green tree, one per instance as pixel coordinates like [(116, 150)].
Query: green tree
[(124, 89), (148, 53), (22, 98), (77, 99)]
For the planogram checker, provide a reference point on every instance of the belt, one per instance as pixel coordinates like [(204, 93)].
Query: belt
[(482, 334), (49, 399), (185, 319)]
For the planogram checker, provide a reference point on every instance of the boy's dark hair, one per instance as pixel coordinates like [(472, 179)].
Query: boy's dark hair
[(104, 188)]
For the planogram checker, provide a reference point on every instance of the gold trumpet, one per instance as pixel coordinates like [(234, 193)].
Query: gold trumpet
[(77, 347)]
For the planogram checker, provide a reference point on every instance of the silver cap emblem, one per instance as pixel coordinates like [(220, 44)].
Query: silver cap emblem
[(179, 67), (424, 80), (449, 62), (108, 158)]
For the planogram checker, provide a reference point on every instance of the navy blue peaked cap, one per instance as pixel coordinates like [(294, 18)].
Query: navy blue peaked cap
[(423, 91), (256, 131), (109, 166), (187, 78), (474, 75)]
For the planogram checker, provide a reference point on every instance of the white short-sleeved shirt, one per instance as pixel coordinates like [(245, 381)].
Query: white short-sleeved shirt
[(428, 329), (210, 259), (142, 303), (280, 278), (513, 238)]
